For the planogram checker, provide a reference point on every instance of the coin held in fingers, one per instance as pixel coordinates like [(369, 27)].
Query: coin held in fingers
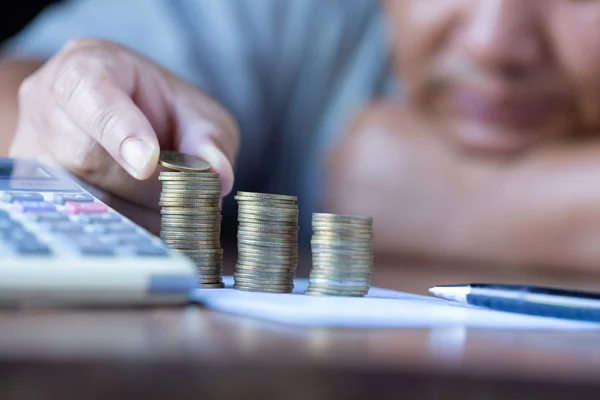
[(183, 162)]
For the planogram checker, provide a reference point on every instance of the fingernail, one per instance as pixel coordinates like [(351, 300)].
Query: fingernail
[(211, 154), (136, 154), (217, 160)]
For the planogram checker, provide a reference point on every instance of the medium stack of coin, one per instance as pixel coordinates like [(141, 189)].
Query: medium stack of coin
[(267, 242), (342, 255), (191, 214)]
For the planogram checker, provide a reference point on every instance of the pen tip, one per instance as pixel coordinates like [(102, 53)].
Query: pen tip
[(457, 293)]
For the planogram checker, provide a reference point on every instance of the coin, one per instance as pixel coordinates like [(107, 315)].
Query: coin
[(183, 162), (211, 286), (187, 176), (267, 242), (191, 215), (342, 255), (261, 289), (358, 219), (264, 196)]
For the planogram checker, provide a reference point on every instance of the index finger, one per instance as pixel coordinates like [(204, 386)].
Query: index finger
[(87, 90)]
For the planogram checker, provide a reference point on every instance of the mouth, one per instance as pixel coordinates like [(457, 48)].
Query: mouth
[(506, 107), (502, 117), (510, 110)]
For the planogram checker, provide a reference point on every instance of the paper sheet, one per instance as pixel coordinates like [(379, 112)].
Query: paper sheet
[(381, 308)]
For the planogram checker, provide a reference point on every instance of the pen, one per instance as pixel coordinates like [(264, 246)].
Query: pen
[(531, 300)]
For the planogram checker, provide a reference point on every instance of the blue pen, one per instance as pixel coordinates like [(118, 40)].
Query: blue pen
[(531, 300)]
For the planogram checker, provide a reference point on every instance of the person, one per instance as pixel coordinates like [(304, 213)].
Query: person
[(467, 130), (115, 81)]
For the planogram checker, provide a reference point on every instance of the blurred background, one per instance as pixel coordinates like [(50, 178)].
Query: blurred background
[(14, 15)]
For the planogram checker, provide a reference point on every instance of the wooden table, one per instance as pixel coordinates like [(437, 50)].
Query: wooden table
[(190, 352)]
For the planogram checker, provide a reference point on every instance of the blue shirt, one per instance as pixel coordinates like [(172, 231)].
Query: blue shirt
[(292, 72)]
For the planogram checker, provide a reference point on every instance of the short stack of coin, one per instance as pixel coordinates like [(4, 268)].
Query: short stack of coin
[(191, 216), (342, 255), (267, 242)]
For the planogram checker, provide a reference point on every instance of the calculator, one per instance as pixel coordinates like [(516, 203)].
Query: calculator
[(59, 244)]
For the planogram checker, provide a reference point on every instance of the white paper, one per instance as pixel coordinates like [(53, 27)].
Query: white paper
[(381, 308)]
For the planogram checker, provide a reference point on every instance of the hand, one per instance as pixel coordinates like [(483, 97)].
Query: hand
[(104, 112)]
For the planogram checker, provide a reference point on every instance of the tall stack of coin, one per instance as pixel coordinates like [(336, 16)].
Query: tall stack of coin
[(267, 242), (191, 214), (342, 255)]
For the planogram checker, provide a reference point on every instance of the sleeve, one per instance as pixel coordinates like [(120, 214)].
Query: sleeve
[(146, 26)]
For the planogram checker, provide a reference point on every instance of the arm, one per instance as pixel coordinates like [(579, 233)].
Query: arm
[(12, 73), (540, 210), (543, 210)]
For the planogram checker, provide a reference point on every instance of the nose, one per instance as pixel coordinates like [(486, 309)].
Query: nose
[(503, 33)]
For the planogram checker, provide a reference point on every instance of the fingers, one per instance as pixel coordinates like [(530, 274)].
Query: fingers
[(205, 129), (94, 91), (103, 112)]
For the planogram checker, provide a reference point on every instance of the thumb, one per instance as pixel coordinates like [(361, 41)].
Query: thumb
[(205, 129)]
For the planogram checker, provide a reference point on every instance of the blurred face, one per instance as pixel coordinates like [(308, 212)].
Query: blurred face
[(501, 75)]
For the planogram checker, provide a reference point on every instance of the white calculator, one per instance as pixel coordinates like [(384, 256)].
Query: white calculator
[(60, 244)]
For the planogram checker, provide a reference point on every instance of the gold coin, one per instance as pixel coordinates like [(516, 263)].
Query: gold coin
[(262, 289), (267, 229), (340, 236), (341, 228), (269, 237), (198, 211), (280, 207), (263, 284), (220, 285), (269, 196), (251, 251), (264, 275), (188, 176), (264, 266), (183, 162), (267, 219), (327, 217)]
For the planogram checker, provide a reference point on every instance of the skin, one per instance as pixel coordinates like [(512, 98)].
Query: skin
[(494, 156), (103, 112), (492, 159)]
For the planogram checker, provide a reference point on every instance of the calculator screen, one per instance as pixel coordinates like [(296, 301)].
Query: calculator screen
[(26, 175), (24, 171)]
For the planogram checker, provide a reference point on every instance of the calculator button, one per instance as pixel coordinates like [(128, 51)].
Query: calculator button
[(8, 224), (50, 217), (131, 239), (89, 244), (19, 234), (11, 197), (99, 218), (151, 250), (97, 249), (30, 247), (65, 227), (74, 207), (33, 206), (13, 232), (114, 228), (79, 197)]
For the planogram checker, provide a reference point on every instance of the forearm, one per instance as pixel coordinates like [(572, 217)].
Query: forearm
[(542, 212), (12, 73)]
